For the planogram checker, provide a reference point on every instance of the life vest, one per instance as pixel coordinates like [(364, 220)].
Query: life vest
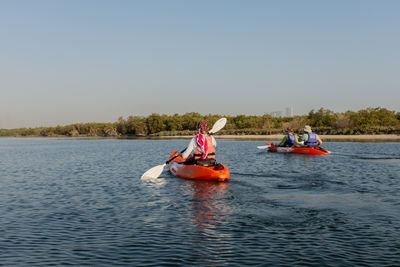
[(211, 150), (291, 140), (312, 140)]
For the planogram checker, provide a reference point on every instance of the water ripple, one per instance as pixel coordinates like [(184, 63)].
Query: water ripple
[(82, 203)]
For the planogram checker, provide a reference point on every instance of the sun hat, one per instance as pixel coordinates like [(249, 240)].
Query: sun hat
[(307, 129)]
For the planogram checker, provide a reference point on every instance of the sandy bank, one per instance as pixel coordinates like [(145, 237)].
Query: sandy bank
[(325, 138)]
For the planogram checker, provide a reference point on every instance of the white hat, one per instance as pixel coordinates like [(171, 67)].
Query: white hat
[(307, 129)]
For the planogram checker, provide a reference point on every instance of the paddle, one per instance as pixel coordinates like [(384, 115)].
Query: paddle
[(157, 170), (264, 147)]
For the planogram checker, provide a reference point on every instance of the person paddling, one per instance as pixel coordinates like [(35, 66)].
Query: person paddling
[(310, 139), (201, 148), (290, 139)]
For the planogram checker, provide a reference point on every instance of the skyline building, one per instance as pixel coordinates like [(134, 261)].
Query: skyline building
[(289, 112), (276, 113)]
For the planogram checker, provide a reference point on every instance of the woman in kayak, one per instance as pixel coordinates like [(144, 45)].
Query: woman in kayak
[(290, 139), (202, 147), (310, 139)]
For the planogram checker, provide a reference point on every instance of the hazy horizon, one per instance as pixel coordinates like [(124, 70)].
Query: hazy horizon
[(64, 62)]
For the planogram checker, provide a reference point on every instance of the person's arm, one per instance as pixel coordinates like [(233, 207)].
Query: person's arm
[(189, 149), (319, 140), (283, 140), (214, 141)]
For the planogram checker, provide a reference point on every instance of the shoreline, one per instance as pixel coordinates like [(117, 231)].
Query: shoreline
[(325, 138), (273, 137)]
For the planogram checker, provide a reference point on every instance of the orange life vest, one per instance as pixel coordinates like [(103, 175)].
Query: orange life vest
[(211, 150)]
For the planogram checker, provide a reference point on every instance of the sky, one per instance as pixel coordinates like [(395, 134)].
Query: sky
[(73, 61)]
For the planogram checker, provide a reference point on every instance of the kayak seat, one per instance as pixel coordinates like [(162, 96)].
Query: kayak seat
[(219, 167), (206, 162), (201, 162)]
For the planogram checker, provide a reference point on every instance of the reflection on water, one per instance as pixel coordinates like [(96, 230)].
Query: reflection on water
[(208, 203), (154, 180), (209, 210)]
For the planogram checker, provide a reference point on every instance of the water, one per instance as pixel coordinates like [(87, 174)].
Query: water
[(82, 203)]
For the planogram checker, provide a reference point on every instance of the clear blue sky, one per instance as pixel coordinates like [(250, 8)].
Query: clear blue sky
[(69, 61)]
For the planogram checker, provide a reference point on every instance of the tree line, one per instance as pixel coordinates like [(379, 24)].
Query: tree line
[(323, 121)]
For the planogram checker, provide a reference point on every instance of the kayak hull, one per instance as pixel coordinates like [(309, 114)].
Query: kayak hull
[(218, 172), (298, 150)]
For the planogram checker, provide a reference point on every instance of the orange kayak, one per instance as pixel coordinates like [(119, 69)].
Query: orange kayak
[(218, 172), (298, 150)]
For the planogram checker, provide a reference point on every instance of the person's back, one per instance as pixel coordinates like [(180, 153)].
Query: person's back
[(201, 148), (310, 139), (290, 139)]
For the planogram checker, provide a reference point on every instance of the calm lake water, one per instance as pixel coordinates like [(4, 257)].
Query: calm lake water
[(82, 203)]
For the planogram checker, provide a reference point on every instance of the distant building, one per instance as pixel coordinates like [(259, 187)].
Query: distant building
[(276, 114), (289, 112)]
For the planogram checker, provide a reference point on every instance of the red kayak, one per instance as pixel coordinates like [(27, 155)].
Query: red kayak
[(217, 172), (298, 150)]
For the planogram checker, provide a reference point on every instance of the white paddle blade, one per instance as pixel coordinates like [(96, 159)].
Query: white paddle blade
[(153, 172), (265, 147), (218, 125), (154, 181)]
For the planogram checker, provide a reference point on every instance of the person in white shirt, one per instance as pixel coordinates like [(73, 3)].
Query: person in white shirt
[(202, 146)]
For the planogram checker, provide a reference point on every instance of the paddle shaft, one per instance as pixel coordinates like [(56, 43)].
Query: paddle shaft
[(168, 161)]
